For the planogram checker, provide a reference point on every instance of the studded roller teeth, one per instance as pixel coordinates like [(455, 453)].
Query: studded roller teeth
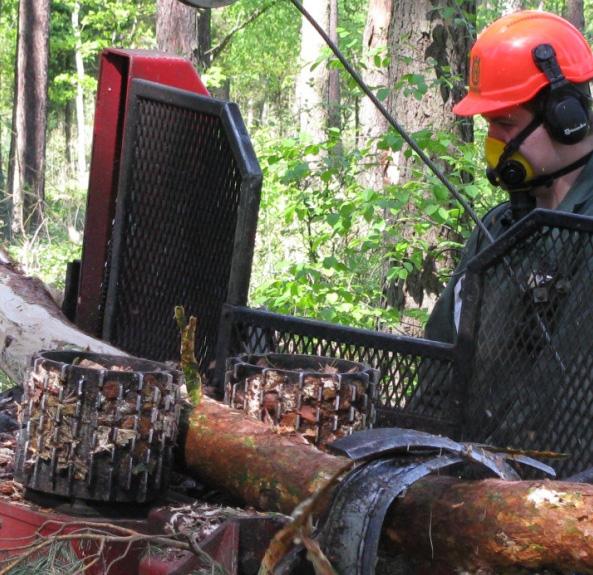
[(95, 432)]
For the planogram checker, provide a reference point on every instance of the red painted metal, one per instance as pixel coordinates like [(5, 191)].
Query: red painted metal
[(238, 544), (21, 524), (117, 69)]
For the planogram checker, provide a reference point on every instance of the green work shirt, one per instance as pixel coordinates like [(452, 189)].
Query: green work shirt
[(441, 323)]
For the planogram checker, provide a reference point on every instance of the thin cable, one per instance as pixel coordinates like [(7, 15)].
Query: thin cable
[(433, 167), (400, 130)]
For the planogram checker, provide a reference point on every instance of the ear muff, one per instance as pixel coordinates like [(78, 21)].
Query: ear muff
[(566, 116), (565, 110)]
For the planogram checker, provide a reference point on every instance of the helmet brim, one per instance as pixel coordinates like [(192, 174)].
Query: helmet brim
[(474, 104)]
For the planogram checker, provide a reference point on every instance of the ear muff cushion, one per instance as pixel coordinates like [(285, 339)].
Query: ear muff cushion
[(566, 116)]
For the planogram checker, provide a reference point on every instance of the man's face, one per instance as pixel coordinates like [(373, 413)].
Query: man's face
[(543, 153)]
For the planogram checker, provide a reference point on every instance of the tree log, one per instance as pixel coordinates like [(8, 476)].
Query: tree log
[(247, 459), (30, 321), (473, 526), (477, 526), (489, 525)]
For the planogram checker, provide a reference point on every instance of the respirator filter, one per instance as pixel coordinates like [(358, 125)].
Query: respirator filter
[(510, 173)]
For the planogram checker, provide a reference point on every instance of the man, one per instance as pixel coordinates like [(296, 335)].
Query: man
[(529, 74)]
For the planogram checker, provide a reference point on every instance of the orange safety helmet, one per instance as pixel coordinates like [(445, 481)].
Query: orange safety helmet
[(502, 70)]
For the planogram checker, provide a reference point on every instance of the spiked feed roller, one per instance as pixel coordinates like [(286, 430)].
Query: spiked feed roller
[(323, 398), (98, 427)]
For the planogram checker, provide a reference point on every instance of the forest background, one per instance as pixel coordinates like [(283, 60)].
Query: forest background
[(352, 228)]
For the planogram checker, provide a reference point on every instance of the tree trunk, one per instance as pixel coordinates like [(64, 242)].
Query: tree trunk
[(71, 170), (333, 80), (31, 321), (312, 83), (459, 526), (27, 181), (184, 31), (574, 13), (81, 168), (510, 6), (373, 125), (427, 41), (4, 209), (487, 526)]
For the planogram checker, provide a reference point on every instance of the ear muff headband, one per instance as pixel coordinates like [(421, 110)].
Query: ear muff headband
[(565, 113)]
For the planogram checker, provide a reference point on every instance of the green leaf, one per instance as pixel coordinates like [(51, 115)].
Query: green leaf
[(383, 94), (332, 298)]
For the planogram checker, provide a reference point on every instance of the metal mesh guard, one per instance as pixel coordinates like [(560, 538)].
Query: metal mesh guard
[(189, 186), (402, 362), (520, 374), (532, 380)]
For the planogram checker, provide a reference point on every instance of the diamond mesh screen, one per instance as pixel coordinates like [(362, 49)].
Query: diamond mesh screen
[(532, 377), (402, 362), (520, 374), (185, 221)]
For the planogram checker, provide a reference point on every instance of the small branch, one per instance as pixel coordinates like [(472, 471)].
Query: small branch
[(216, 50), (189, 363)]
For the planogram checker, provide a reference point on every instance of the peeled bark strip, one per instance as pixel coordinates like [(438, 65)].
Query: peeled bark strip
[(464, 526)]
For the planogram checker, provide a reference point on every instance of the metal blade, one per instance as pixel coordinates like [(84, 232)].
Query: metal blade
[(350, 536), (379, 442), (207, 3)]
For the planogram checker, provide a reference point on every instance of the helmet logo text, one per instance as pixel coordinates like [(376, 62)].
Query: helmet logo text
[(475, 72)]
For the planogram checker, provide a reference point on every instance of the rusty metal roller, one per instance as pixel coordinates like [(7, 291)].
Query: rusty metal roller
[(98, 427)]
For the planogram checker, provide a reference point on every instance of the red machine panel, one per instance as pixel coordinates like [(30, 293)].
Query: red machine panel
[(117, 70)]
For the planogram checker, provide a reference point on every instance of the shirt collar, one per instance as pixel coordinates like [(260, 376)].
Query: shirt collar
[(580, 192)]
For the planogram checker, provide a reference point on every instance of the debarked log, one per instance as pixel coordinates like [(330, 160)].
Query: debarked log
[(483, 525), (489, 525), (476, 526)]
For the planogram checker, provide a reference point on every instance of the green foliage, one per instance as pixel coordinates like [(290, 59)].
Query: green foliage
[(57, 241), (322, 235)]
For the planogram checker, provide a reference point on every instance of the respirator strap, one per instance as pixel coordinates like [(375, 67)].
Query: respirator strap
[(516, 142), (549, 178)]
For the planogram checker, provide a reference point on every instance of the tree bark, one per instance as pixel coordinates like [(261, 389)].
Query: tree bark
[(250, 461), (26, 175), (81, 167), (510, 6), (372, 123), (30, 321), (184, 31), (574, 13), (312, 85), (333, 80), (486, 526), (428, 39), (457, 526)]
